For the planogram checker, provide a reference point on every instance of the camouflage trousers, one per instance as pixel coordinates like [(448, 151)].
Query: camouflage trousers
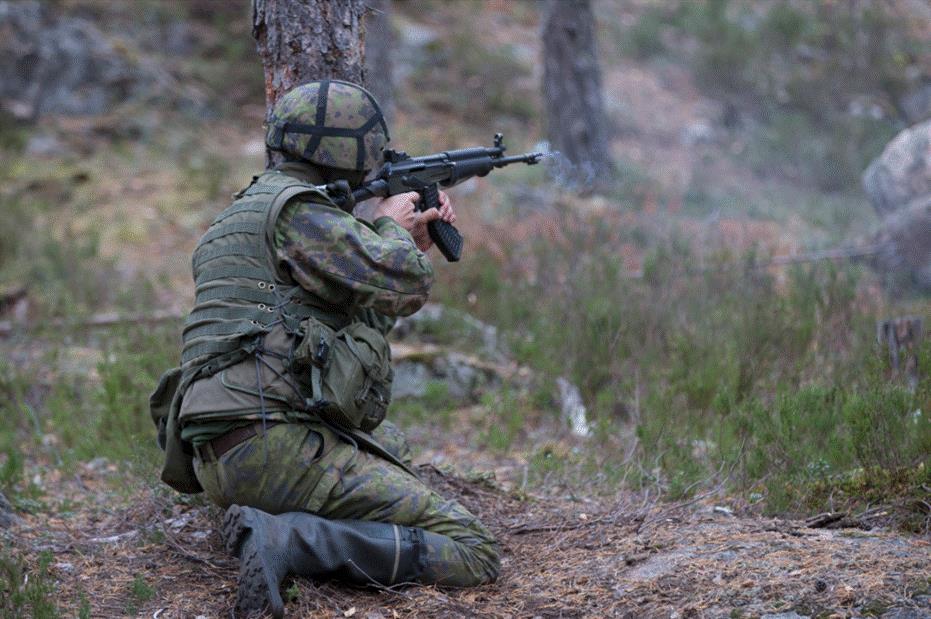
[(308, 467)]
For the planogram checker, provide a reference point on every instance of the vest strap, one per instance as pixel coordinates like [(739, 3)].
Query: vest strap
[(245, 227), (229, 327), (240, 293), (237, 270), (249, 251)]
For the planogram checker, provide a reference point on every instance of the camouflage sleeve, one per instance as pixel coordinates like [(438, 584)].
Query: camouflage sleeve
[(343, 260)]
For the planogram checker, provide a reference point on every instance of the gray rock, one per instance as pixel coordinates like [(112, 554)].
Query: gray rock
[(428, 323), (906, 613), (410, 380), (905, 245), (902, 173), (789, 615), (916, 104), (573, 408), (7, 516), (44, 145), (57, 64), (462, 380)]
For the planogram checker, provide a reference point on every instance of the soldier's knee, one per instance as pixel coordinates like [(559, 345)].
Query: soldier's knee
[(491, 562)]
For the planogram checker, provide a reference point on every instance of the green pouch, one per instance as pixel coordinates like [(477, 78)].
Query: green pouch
[(346, 372), (164, 404)]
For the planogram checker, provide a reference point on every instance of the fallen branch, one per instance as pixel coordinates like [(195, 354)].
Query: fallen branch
[(107, 319)]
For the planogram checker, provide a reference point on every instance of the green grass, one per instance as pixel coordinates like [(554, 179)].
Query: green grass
[(25, 593), (140, 592), (773, 383)]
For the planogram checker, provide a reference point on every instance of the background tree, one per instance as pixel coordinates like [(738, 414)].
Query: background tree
[(575, 117), (304, 41), (380, 44)]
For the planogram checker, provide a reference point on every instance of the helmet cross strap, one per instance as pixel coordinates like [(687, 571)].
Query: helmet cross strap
[(330, 123)]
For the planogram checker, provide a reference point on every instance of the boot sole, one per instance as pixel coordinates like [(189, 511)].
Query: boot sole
[(232, 529), (255, 593), (255, 590)]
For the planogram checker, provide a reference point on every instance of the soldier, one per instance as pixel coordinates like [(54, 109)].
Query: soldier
[(286, 374)]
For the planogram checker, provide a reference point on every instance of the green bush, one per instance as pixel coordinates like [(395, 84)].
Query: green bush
[(776, 382)]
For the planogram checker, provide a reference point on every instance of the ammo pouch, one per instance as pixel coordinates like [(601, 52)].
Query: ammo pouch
[(164, 403), (344, 374)]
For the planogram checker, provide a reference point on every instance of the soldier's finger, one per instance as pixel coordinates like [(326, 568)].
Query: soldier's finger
[(429, 215), (446, 212)]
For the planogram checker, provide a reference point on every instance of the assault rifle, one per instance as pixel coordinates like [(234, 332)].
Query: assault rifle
[(402, 173)]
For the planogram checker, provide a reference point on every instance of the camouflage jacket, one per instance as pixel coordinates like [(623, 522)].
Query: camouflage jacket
[(348, 262)]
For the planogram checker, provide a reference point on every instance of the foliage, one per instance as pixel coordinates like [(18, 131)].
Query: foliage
[(475, 82), (24, 593), (726, 368), (824, 80)]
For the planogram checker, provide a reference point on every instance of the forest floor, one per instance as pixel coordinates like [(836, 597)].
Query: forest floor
[(138, 552)]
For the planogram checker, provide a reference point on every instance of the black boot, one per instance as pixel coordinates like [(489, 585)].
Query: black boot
[(271, 547)]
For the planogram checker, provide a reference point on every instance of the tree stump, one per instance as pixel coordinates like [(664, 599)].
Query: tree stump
[(902, 337)]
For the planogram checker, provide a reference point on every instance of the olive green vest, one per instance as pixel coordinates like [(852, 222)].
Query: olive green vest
[(245, 302)]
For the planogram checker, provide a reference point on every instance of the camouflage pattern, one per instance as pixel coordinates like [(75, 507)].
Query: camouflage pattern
[(306, 467), (347, 107), (343, 261)]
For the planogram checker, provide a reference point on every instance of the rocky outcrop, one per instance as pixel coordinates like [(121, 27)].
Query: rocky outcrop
[(902, 173), (56, 64), (898, 184), (905, 245)]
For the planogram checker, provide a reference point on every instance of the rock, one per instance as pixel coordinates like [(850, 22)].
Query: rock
[(697, 133), (7, 516), (410, 380), (902, 173), (916, 104), (55, 64), (437, 322), (573, 408), (905, 245), (904, 613), (789, 615), (44, 145), (462, 379)]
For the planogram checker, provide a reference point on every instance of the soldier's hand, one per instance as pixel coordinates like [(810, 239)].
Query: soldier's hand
[(400, 208), (420, 232)]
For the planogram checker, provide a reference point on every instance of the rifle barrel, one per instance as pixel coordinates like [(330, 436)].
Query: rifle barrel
[(528, 158)]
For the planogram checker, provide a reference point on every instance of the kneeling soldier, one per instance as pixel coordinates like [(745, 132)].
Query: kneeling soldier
[(286, 372)]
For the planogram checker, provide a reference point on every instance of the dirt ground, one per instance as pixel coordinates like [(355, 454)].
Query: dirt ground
[(561, 558)]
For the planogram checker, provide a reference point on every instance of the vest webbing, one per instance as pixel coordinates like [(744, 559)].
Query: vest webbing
[(240, 293)]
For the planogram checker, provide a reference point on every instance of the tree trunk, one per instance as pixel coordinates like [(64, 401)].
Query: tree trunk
[(576, 123), (380, 45), (305, 40)]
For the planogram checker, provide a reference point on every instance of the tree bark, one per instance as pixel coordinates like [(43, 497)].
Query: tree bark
[(380, 46), (576, 122), (304, 40)]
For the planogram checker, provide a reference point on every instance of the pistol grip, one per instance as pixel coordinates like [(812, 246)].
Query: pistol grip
[(444, 235)]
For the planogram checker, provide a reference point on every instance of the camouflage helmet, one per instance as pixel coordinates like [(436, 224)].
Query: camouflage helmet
[(330, 123)]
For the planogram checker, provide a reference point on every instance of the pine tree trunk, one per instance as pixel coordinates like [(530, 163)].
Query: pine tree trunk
[(380, 46), (304, 40), (576, 123)]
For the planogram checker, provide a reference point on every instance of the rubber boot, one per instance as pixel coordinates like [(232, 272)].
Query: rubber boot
[(355, 551)]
